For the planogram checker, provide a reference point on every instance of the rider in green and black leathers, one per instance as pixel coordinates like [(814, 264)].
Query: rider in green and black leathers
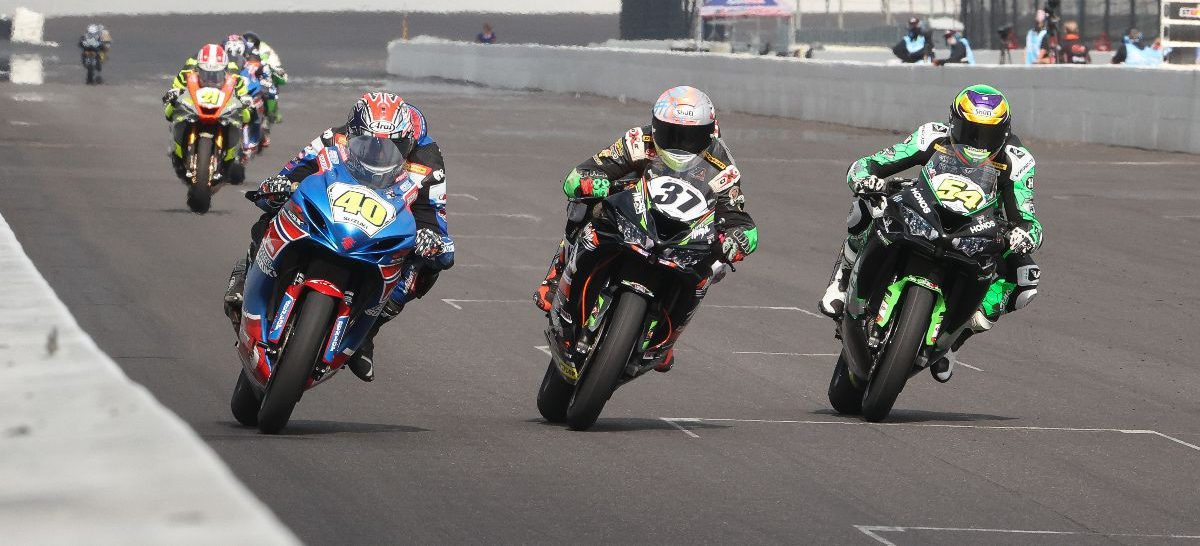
[(979, 120)]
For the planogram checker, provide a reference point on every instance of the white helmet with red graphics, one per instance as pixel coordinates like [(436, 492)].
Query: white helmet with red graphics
[(211, 58), (684, 125)]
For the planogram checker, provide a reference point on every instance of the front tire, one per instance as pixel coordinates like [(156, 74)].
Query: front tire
[(296, 365), (245, 401), (844, 396), (199, 197), (554, 396), (892, 371), (600, 378)]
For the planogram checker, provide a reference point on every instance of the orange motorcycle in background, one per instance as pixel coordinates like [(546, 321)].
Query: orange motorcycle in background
[(207, 126)]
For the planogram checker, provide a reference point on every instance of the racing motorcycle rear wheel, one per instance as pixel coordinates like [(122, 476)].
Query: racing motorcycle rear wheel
[(892, 371), (245, 401), (295, 366), (600, 377), (554, 396), (844, 396)]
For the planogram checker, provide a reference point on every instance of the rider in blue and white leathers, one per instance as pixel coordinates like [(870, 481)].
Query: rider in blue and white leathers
[(434, 250)]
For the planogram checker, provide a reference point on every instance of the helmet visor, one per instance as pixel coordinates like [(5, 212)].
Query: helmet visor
[(211, 78), (692, 139), (373, 161), (975, 135)]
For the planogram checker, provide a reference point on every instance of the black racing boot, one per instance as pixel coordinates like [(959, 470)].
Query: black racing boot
[(363, 361), (543, 298), (233, 292), (943, 368)]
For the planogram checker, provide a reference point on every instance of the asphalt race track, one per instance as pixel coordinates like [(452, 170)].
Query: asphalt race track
[(1076, 422)]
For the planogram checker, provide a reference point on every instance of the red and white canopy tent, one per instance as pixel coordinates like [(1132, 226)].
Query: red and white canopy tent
[(727, 13)]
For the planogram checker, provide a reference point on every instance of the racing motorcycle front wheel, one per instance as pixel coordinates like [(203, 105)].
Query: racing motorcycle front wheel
[(295, 366), (600, 377), (892, 371)]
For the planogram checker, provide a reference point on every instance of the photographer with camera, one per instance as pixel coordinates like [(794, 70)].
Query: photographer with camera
[(915, 46), (1134, 51)]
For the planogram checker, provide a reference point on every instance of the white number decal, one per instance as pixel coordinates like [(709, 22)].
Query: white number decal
[(360, 207), (677, 198)]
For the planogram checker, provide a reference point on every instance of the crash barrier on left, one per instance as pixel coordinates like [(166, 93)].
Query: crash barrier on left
[(87, 456)]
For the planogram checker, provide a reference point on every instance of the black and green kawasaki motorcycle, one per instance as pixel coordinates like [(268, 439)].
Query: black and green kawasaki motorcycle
[(610, 321), (931, 253)]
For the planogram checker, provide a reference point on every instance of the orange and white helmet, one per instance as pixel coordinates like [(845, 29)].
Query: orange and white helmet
[(211, 58), (684, 124)]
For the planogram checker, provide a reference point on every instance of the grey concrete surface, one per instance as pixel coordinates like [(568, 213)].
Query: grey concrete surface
[(1050, 432), (1096, 103)]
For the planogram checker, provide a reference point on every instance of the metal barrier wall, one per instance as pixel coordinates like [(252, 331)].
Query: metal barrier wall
[(1099, 104)]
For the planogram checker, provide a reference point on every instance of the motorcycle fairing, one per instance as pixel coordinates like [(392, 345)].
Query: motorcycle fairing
[(307, 223)]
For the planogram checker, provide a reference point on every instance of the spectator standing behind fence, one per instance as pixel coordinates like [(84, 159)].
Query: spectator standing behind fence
[(1074, 50), (960, 49), (1135, 52), (487, 36), (916, 45), (1036, 42)]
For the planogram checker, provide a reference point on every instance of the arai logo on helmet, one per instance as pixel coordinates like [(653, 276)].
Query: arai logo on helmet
[(382, 126)]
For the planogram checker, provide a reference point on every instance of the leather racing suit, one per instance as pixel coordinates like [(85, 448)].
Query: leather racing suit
[(1014, 167), (630, 155)]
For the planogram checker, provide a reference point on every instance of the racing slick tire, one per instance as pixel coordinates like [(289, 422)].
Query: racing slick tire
[(245, 401), (554, 396), (892, 372), (599, 379), (295, 366)]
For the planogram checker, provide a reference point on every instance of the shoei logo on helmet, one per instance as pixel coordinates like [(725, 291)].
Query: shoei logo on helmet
[(983, 108)]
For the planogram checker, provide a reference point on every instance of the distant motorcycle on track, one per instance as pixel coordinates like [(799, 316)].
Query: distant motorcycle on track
[(322, 274), (208, 114), (933, 250), (256, 134), (626, 270)]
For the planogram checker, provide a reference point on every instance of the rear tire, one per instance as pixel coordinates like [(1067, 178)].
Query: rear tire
[(237, 174), (554, 396), (843, 395), (296, 365), (246, 401), (199, 196), (600, 378), (892, 372)]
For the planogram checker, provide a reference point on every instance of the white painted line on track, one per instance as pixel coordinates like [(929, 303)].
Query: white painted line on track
[(518, 216), (464, 196), (680, 427), (455, 303), (874, 531), (1146, 432), (544, 349), (1182, 217), (781, 354), (965, 365)]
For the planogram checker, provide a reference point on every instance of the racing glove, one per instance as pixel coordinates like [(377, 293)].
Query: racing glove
[(735, 245), (587, 184), (870, 184), (171, 94), (429, 243), (1020, 241), (276, 190)]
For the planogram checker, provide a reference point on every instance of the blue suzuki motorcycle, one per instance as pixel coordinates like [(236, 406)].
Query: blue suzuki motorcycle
[(322, 274)]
